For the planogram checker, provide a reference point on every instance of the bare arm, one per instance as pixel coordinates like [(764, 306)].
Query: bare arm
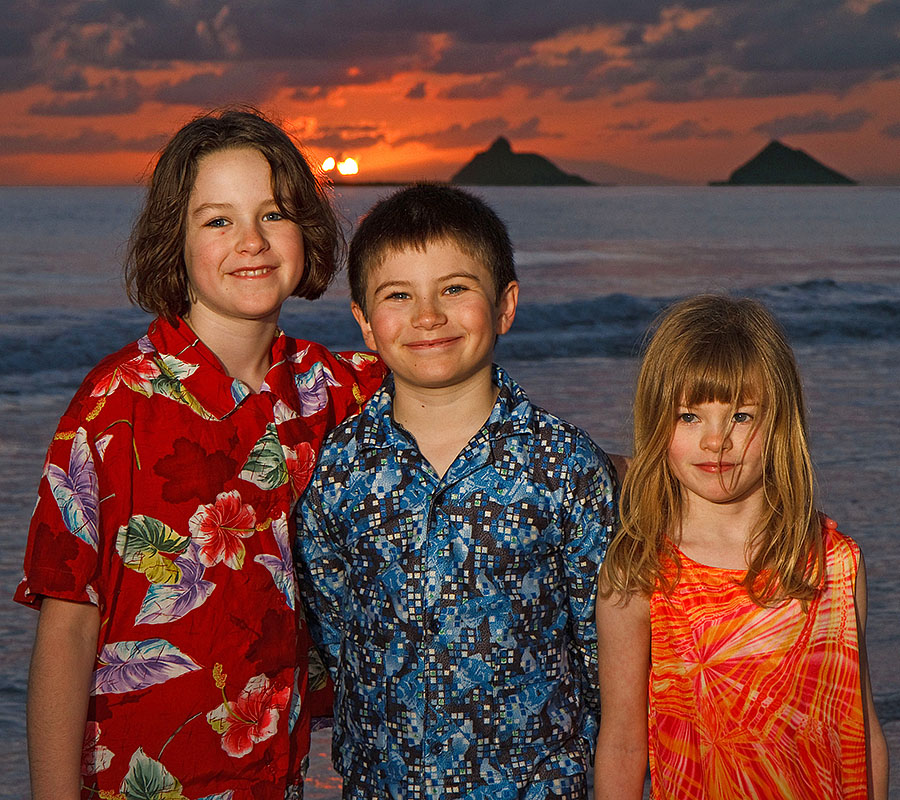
[(877, 762), (65, 648), (623, 642)]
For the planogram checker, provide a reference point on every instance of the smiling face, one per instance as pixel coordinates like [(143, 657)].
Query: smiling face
[(433, 318), (243, 258), (716, 453)]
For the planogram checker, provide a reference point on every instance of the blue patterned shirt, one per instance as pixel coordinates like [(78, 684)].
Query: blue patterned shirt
[(456, 614)]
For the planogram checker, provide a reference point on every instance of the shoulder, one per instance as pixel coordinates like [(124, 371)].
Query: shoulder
[(839, 548), (556, 435), (132, 365)]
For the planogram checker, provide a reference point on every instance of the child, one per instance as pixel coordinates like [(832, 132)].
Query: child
[(752, 612), (170, 659), (451, 536)]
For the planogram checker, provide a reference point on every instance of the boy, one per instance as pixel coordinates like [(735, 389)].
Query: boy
[(450, 538)]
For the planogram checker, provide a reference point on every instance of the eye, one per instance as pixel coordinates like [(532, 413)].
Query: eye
[(217, 222), (397, 296), (455, 289), (273, 216), (742, 416), (687, 417)]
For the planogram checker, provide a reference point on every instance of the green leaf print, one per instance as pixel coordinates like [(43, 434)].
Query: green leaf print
[(142, 543), (168, 384), (149, 780), (265, 465)]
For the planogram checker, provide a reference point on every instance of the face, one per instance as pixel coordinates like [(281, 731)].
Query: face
[(244, 259), (433, 316), (716, 453)]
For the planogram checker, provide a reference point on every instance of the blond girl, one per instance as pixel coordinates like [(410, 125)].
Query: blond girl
[(725, 602)]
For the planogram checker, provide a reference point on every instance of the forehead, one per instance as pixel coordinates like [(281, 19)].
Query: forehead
[(231, 171), (435, 260)]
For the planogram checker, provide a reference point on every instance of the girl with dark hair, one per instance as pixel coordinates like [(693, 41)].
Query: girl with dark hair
[(171, 657)]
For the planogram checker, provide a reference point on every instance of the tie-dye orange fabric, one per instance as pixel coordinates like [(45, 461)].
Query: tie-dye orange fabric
[(750, 702)]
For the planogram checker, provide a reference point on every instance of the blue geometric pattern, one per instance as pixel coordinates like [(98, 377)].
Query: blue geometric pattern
[(457, 614)]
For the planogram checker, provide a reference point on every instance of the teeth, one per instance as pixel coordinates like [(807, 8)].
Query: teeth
[(252, 273)]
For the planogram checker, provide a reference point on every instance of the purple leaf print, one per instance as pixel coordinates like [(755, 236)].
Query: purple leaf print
[(312, 387), (75, 491), (130, 666), (282, 568), (168, 602)]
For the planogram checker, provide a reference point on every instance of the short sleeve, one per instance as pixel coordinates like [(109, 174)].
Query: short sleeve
[(61, 555)]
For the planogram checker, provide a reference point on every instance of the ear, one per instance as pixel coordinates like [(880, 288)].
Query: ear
[(506, 307), (360, 316)]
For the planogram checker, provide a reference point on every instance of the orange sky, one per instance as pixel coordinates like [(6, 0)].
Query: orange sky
[(648, 92)]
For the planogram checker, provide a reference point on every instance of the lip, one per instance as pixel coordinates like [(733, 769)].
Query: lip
[(261, 271), (432, 344), (714, 467)]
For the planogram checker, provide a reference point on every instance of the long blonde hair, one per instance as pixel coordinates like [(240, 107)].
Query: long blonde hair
[(715, 348)]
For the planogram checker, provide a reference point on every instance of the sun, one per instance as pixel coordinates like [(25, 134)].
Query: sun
[(349, 166)]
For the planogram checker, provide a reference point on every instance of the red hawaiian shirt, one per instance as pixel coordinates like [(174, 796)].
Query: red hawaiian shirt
[(166, 501)]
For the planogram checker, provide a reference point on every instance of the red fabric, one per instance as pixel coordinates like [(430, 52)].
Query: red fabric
[(167, 501)]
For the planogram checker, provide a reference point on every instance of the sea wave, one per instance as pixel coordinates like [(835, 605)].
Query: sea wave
[(53, 346)]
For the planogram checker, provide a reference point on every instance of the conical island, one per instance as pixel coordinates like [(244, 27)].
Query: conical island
[(779, 165), (500, 166)]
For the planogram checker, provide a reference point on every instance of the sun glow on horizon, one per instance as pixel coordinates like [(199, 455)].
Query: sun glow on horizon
[(349, 166)]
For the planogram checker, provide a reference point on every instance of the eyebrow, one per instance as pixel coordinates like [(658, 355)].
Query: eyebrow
[(401, 283), (207, 207)]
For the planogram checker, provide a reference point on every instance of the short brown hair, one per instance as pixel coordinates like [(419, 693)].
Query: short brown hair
[(428, 213), (155, 272)]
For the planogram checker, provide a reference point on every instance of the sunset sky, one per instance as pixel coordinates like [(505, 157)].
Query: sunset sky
[(632, 91)]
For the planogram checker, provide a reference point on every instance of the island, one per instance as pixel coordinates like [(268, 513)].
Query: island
[(500, 166), (779, 165)]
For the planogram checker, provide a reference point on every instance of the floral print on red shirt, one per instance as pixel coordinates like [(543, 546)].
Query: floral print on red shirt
[(166, 501)]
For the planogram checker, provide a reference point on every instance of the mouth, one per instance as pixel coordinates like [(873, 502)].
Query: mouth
[(714, 467), (432, 344), (253, 272)]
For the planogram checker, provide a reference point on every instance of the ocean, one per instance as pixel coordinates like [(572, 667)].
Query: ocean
[(595, 265)]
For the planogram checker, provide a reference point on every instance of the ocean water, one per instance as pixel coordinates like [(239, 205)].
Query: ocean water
[(596, 264)]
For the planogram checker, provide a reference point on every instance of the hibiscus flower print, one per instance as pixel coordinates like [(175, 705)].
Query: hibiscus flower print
[(137, 374), (250, 719), (219, 527), (299, 464)]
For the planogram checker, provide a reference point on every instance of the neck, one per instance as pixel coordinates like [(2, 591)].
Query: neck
[(444, 420), (243, 347), (720, 535)]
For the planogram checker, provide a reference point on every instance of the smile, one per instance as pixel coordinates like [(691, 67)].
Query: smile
[(252, 272), (432, 343)]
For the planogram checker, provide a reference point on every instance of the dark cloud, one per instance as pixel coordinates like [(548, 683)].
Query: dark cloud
[(476, 134), (728, 48), (689, 129), (347, 137), (417, 92), (85, 141), (815, 122), (112, 98)]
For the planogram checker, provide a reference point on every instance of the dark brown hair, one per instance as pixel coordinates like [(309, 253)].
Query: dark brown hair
[(428, 213), (155, 272)]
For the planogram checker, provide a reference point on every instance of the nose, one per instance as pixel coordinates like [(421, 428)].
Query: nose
[(251, 239), (428, 314), (716, 438)]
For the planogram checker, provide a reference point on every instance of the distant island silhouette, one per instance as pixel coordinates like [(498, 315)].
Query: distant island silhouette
[(500, 166), (779, 165)]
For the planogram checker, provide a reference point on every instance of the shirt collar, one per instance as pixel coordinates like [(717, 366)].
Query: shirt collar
[(510, 416), (217, 393)]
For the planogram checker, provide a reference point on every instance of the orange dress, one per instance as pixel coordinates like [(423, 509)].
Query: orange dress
[(751, 702)]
